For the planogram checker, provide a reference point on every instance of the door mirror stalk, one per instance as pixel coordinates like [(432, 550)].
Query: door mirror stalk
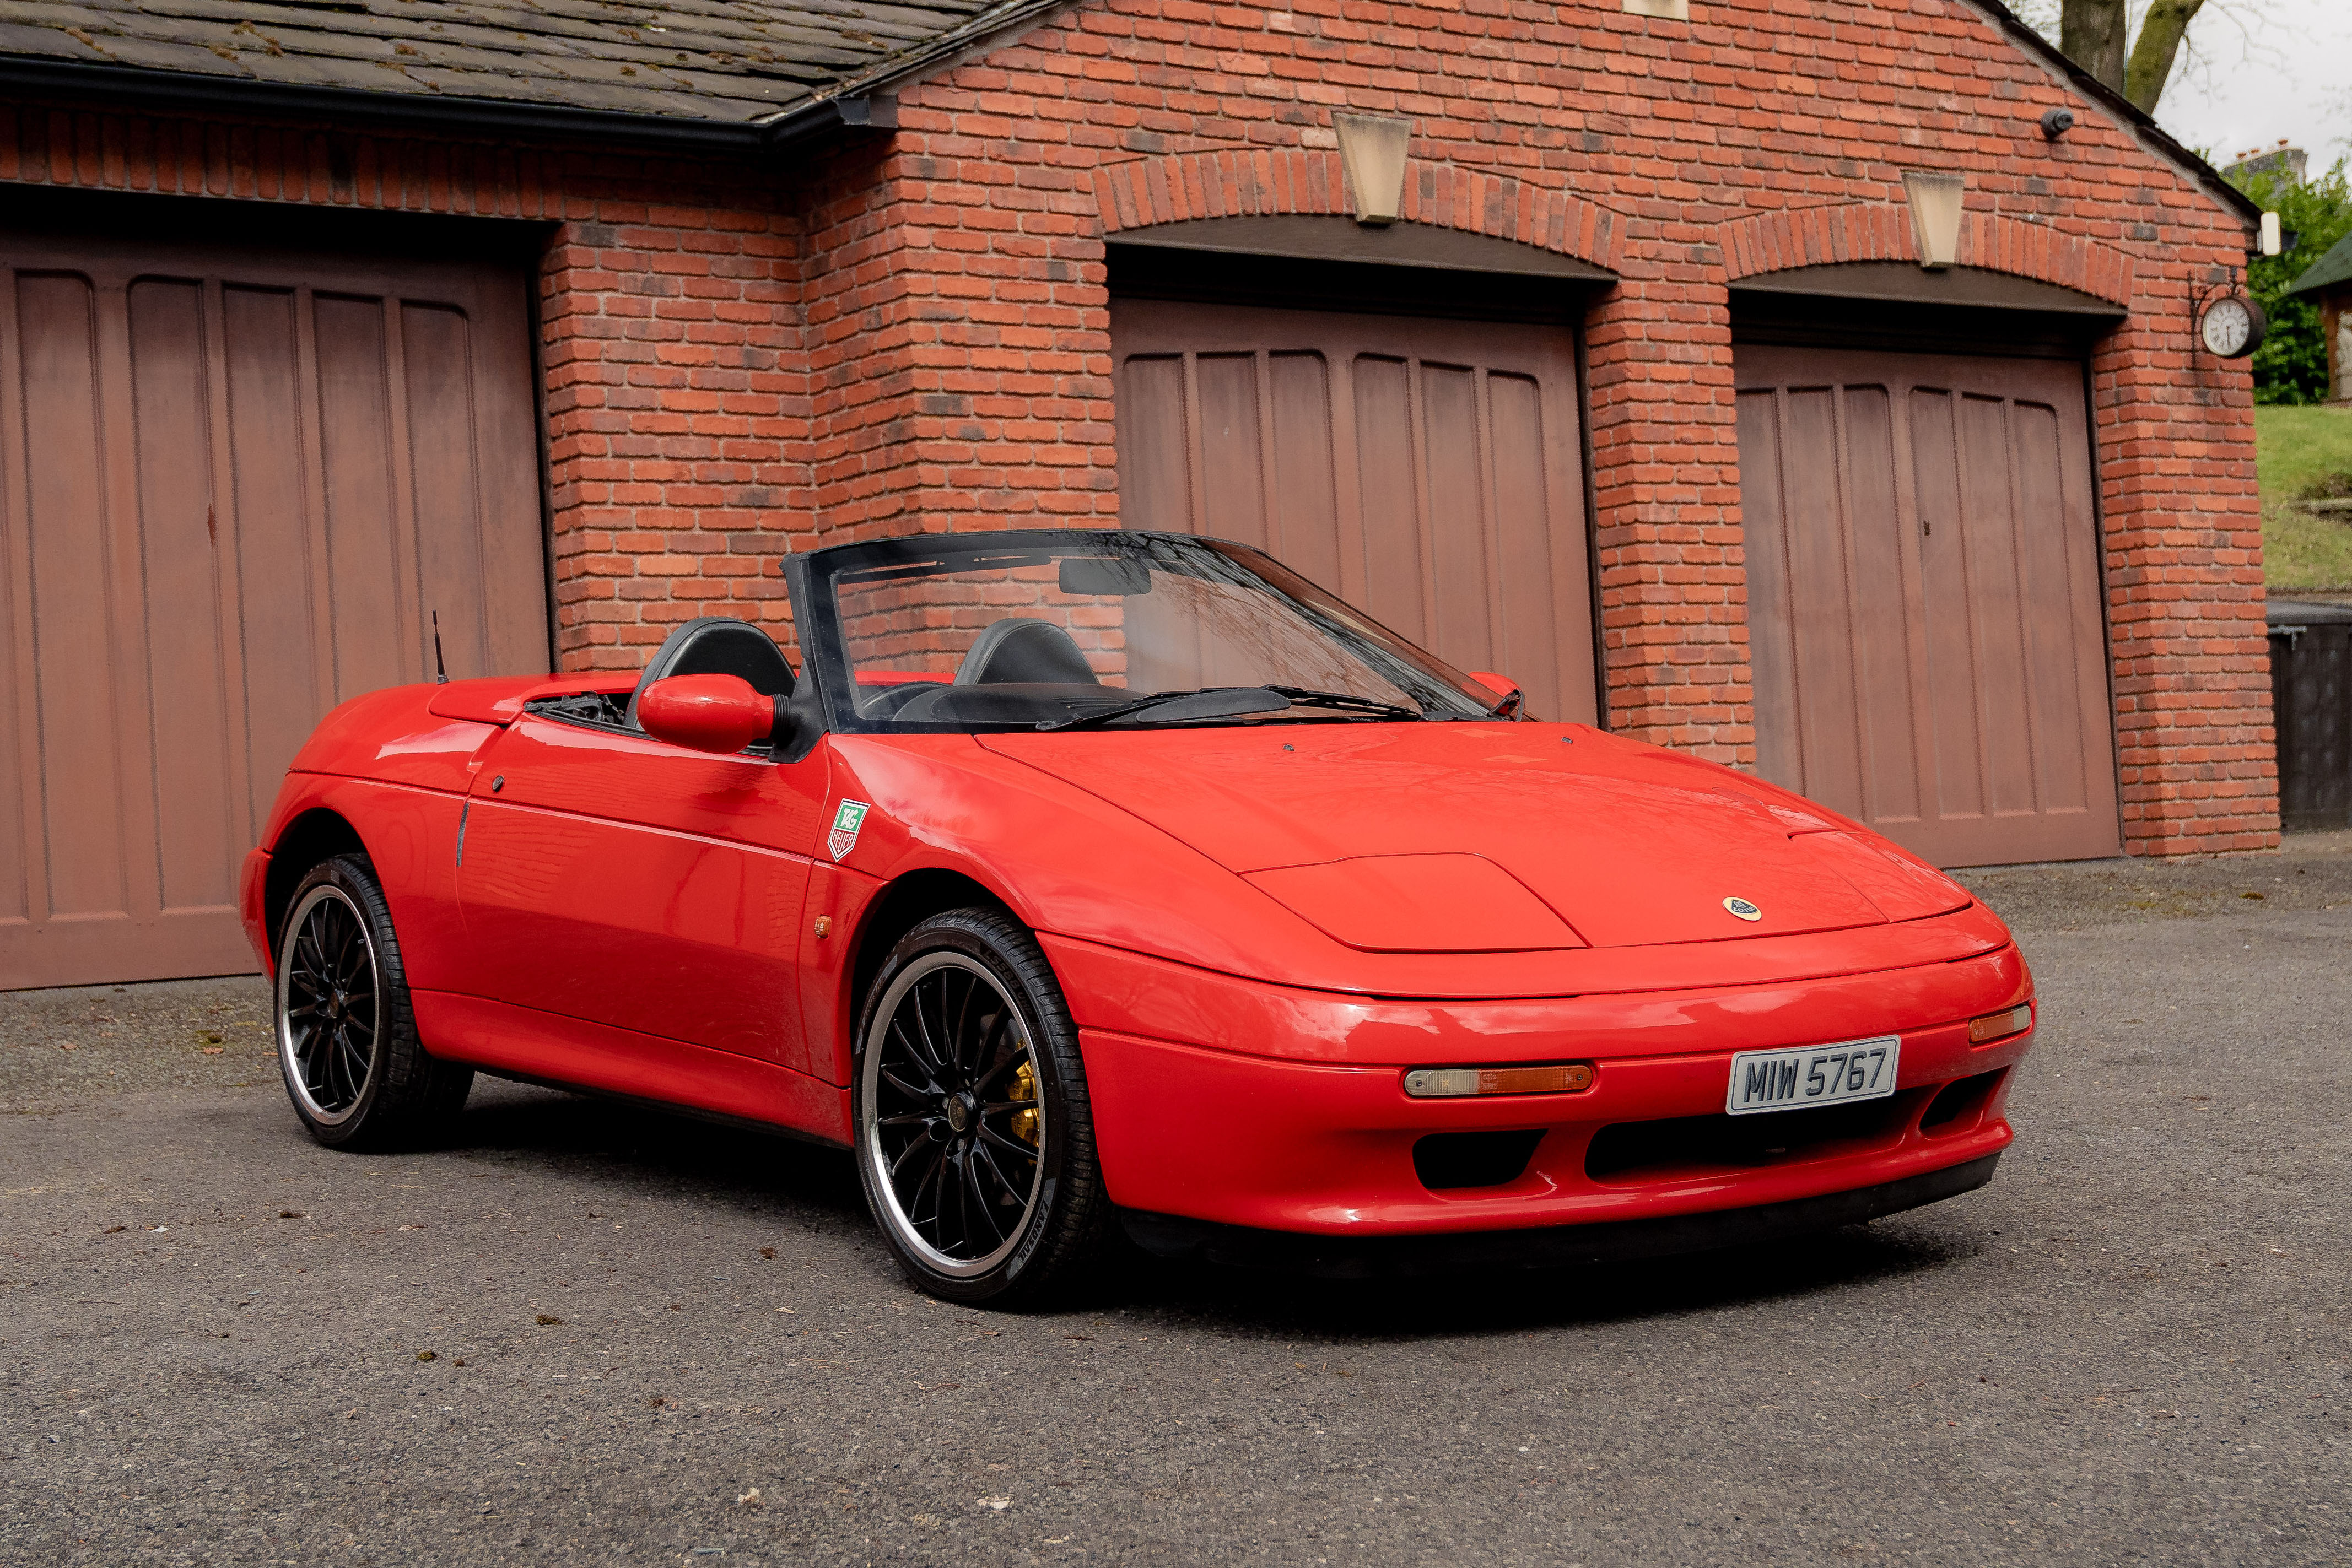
[(1504, 687)]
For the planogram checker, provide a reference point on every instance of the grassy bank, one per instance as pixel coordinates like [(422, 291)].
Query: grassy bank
[(2297, 450)]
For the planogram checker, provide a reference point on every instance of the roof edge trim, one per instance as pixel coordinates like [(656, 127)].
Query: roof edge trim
[(920, 60), (2333, 267), (185, 92)]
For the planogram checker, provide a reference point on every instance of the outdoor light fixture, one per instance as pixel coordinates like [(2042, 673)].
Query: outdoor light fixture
[(2271, 239), (1935, 215), (1446, 1083), (2056, 122), (2000, 1025), (1371, 150)]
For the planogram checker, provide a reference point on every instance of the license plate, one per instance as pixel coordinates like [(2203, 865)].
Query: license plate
[(1816, 1076)]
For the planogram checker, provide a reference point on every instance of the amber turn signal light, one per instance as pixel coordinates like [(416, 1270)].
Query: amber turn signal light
[(1999, 1025), (1444, 1082)]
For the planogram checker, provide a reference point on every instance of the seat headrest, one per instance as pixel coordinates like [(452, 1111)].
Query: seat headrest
[(1017, 650), (717, 646)]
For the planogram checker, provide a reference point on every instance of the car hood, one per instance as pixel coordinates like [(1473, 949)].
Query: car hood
[(1469, 837)]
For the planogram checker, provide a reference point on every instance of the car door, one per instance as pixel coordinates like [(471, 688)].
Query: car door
[(609, 876)]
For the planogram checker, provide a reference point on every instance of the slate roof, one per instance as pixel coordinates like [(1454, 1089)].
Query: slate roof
[(2335, 266), (711, 60)]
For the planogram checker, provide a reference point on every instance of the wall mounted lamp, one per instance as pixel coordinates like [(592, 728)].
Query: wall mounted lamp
[(1935, 215)]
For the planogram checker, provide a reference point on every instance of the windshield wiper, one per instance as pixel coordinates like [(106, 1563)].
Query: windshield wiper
[(1308, 697), (1208, 702)]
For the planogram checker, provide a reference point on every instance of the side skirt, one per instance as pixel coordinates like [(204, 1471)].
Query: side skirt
[(546, 1049)]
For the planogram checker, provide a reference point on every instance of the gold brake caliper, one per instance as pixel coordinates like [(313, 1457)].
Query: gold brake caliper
[(1025, 1090)]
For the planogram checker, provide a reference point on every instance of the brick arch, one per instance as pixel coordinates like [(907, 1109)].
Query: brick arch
[(1881, 231), (1300, 180)]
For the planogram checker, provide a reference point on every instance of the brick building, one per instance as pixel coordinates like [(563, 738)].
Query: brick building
[(345, 339)]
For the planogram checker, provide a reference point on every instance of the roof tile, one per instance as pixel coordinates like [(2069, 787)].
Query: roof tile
[(714, 60)]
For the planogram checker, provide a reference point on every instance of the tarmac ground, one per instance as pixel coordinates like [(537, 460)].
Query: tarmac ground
[(583, 1332)]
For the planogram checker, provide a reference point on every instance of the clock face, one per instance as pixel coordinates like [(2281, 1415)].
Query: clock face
[(2230, 328)]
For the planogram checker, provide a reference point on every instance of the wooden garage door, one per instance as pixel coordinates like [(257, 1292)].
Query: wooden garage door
[(1924, 597), (1427, 470), (234, 488)]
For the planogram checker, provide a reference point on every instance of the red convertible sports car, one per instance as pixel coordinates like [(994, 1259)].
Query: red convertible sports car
[(1091, 881)]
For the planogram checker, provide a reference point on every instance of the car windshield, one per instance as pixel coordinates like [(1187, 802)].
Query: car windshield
[(1116, 631)]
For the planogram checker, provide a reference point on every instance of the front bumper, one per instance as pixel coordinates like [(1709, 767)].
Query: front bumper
[(1313, 1134)]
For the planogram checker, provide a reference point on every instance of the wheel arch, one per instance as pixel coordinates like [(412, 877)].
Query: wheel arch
[(901, 905), (318, 834)]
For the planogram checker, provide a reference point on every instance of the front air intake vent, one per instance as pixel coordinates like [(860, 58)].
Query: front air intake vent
[(1447, 1161), (1958, 1106), (1632, 1152)]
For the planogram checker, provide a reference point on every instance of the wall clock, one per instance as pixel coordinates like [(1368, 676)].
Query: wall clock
[(2231, 327)]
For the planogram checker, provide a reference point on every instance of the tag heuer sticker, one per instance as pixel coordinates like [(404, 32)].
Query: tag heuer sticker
[(846, 823)]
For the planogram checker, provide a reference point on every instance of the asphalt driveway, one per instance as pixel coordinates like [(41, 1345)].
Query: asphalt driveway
[(584, 1334)]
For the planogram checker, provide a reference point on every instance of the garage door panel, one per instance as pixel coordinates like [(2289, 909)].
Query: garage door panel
[(365, 612), (1829, 718), (1306, 481), (1528, 591), (1887, 786), (1455, 511), (1390, 489), (1771, 622), (80, 806), (1997, 604), (1155, 462), (1431, 470), (271, 521), (1232, 463), (454, 572), (19, 735), (2053, 633), (189, 656), (1948, 608), (1974, 626), (252, 555)]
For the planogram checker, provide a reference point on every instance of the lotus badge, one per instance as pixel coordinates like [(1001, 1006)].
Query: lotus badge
[(1742, 908)]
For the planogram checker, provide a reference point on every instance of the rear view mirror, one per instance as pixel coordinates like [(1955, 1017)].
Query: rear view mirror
[(718, 714), (1104, 576)]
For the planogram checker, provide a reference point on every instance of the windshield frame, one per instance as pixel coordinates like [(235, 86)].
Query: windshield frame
[(824, 654)]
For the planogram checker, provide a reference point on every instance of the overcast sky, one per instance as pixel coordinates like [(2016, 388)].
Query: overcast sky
[(2254, 72)]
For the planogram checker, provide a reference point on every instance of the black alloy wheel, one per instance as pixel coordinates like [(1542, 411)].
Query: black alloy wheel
[(347, 1043), (331, 1010), (974, 1142)]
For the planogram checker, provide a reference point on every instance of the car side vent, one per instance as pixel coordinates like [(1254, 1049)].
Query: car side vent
[(1444, 1161)]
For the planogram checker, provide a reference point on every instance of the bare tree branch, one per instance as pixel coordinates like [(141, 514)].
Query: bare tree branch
[(2159, 44)]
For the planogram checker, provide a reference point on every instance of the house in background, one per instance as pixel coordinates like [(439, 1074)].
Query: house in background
[(2328, 281), (1782, 382)]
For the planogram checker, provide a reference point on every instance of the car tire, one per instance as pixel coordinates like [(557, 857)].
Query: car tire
[(346, 1045), (984, 1180)]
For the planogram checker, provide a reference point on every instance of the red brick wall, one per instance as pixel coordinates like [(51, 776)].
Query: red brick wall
[(1680, 155), (915, 334)]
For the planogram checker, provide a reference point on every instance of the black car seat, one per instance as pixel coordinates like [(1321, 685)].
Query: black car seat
[(1015, 649), (717, 646)]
